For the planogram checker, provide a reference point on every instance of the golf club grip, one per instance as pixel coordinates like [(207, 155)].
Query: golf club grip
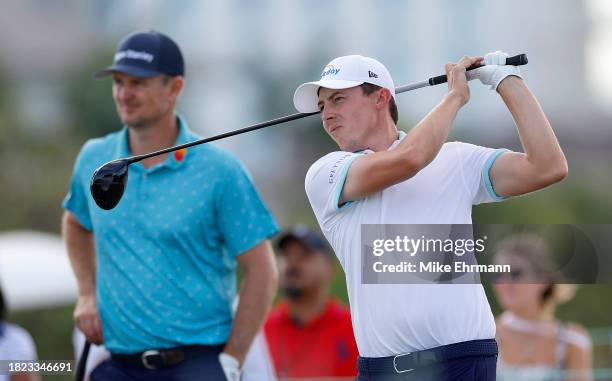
[(518, 60), (79, 374)]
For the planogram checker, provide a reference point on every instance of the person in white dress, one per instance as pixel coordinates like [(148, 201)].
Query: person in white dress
[(533, 344), (15, 344)]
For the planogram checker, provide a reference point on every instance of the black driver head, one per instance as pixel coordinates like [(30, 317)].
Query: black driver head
[(109, 182)]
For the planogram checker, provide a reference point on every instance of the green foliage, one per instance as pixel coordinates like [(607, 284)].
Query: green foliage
[(90, 101)]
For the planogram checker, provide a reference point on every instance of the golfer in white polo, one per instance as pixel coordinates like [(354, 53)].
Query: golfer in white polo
[(385, 176)]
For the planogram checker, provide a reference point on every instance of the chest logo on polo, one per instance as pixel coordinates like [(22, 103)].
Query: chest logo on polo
[(342, 350), (180, 154)]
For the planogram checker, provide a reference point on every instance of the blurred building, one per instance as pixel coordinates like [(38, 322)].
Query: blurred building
[(232, 46), (244, 59)]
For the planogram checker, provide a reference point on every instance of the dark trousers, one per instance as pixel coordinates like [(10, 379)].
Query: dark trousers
[(199, 365), (480, 368)]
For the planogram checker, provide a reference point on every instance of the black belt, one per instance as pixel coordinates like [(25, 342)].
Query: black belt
[(410, 361), (164, 358)]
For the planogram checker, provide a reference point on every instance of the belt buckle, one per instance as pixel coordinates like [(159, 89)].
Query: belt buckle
[(144, 358), (395, 364)]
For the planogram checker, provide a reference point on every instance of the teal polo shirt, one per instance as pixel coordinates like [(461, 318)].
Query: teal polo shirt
[(166, 255)]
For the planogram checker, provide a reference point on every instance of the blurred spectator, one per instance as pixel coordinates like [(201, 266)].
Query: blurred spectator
[(15, 344), (309, 334), (534, 345)]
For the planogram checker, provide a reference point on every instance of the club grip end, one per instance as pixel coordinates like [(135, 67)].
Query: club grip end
[(437, 80), (518, 60)]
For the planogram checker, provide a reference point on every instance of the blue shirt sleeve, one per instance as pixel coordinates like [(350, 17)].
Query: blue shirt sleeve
[(242, 217), (76, 199)]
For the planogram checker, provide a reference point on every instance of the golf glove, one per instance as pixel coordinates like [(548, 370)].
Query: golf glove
[(231, 366), (494, 71)]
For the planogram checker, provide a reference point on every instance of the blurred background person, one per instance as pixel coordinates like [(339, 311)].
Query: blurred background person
[(15, 344), (533, 344), (309, 333)]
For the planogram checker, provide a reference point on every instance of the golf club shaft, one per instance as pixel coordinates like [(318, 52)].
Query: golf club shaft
[(520, 59), (254, 127)]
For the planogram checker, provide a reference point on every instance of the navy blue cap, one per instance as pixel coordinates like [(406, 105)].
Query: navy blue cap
[(146, 54), (306, 237)]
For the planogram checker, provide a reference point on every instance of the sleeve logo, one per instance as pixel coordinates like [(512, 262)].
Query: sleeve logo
[(337, 165)]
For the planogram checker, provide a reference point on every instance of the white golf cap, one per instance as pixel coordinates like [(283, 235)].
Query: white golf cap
[(343, 73)]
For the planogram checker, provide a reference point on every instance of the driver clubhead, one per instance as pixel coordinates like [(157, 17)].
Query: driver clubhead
[(108, 183)]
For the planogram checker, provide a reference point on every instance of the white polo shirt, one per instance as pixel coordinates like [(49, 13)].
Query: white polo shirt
[(15, 344), (390, 319)]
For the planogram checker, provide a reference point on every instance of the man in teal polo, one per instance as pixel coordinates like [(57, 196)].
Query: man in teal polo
[(156, 275)]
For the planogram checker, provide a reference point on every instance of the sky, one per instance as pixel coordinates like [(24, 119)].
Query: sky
[(599, 51)]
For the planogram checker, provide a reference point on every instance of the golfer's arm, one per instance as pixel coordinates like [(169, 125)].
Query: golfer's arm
[(256, 295), (372, 173), (80, 245), (543, 162)]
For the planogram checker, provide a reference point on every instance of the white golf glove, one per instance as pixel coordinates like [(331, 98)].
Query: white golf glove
[(494, 71), (231, 366)]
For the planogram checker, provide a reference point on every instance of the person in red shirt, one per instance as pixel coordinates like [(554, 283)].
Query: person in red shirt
[(309, 333)]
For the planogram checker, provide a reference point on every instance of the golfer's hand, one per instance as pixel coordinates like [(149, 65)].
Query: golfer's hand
[(230, 365), (87, 319), (457, 80), (494, 71)]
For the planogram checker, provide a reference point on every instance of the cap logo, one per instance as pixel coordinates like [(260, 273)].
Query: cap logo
[(329, 70), (372, 75), (133, 54)]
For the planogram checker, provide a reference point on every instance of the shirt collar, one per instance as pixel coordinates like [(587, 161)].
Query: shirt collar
[(174, 160), (401, 136)]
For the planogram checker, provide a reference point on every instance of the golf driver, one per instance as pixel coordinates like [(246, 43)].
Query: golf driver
[(109, 181)]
